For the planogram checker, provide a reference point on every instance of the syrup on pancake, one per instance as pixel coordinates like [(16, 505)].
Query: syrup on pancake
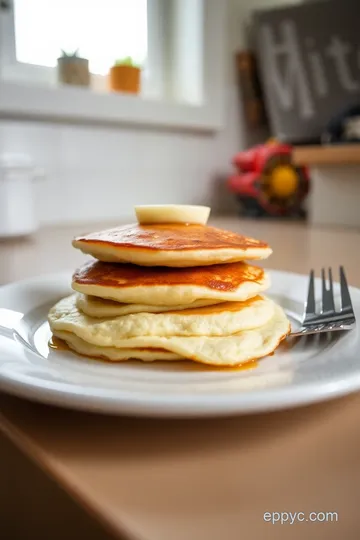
[(170, 237), (217, 308), (221, 277)]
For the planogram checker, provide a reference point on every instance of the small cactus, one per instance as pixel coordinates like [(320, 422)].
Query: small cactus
[(74, 54)]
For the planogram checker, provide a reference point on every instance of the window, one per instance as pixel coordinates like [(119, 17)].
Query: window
[(180, 44), (44, 28), (33, 34)]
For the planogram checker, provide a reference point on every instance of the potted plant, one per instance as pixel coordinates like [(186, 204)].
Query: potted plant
[(125, 76), (72, 69)]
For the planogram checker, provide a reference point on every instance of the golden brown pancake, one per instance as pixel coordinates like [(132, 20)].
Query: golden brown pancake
[(178, 245), (169, 286)]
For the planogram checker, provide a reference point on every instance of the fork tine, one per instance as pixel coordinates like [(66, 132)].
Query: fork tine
[(323, 290), (346, 304), (331, 289), (310, 302), (328, 320), (328, 304)]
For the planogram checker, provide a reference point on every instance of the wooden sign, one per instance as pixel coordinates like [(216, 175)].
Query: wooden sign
[(309, 62)]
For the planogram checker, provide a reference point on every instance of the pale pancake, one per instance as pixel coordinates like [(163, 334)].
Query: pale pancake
[(178, 245), (220, 351), (100, 308), (115, 355), (219, 320), (127, 283)]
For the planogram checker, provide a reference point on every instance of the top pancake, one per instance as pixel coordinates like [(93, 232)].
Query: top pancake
[(178, 245)]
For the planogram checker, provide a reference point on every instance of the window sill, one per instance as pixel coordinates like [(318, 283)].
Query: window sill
[(80, 105)]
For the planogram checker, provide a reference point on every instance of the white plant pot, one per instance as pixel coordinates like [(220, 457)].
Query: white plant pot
[(17, 208)]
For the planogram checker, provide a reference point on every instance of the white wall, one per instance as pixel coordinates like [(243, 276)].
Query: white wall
[(99, 173)]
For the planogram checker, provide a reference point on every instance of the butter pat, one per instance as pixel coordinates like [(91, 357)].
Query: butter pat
[(172, 213)]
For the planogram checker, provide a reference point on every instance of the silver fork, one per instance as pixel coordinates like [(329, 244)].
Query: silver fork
[(328, 319)]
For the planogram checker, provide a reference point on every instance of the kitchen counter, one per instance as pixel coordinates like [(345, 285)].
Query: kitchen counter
[(144, 479)]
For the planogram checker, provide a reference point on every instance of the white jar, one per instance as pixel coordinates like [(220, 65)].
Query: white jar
[(17, 209)]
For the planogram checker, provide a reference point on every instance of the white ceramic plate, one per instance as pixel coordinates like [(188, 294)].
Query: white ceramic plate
[(300, 372)]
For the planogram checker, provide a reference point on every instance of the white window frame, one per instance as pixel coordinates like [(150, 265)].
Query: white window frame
[(21, 72), (20, 97)]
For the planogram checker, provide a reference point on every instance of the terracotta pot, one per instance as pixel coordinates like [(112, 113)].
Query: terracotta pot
[(125, 79), (73, 70)]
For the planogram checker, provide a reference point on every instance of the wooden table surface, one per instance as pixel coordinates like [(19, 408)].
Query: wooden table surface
[(196, 479)]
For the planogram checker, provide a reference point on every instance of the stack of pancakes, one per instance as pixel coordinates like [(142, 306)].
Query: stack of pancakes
[(170, 292)]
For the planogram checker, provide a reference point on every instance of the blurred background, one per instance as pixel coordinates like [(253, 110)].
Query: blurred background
[(250, 106)]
